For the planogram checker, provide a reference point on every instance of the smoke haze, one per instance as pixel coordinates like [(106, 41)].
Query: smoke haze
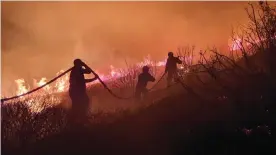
[(41, 38)]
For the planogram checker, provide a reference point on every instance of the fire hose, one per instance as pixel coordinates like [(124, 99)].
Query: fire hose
[(157, 81), (108, 89)]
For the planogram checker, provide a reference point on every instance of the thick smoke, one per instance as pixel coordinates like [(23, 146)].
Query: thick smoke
[(40, 38)]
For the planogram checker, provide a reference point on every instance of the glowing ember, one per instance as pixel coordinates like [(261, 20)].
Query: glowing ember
[(37, 104)]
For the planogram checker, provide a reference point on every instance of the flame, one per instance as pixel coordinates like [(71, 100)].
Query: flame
[(114, 72), (21, 88), (62, 83), (161, 63), (37, 104), (42, 82), (237, 43), (147, 62)]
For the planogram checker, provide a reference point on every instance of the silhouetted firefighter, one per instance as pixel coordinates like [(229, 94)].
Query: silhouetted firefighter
[(171, 67), (143, 79), (77, 88)]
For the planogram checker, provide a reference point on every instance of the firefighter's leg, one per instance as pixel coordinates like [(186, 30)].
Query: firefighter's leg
[(138, 96), (86, 103), (74, 115), (82, 108), (145, 93), (175, 76), (169, 79)]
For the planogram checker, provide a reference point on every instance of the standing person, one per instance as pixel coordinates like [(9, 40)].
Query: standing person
[(171, 67), (77, 88), (143, 79)]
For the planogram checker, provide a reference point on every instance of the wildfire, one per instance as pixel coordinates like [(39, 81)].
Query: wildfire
[(42, 99), (62, 84)]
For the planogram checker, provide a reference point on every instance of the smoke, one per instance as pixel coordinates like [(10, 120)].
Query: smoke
[(41, 38)]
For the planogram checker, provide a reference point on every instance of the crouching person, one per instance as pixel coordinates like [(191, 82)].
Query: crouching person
[(141, 87)]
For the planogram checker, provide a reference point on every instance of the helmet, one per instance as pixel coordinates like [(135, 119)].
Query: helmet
[(145, 69), (170, 54), (77, 62)]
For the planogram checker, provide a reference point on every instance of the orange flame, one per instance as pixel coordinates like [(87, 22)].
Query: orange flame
[(41, 82), (21, 88), (62, 83)]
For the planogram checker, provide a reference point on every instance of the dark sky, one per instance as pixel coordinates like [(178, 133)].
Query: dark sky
[(40, 38)]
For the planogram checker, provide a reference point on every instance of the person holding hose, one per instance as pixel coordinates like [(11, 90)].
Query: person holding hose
[(77, 87), (141, 86), (171, 67)]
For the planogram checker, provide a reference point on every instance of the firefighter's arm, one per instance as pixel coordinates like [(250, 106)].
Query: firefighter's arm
[(152, 79), (86, 69), (91, 80), (178, 60)]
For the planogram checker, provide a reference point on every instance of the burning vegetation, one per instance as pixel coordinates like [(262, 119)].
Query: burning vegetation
[(215, 96)]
